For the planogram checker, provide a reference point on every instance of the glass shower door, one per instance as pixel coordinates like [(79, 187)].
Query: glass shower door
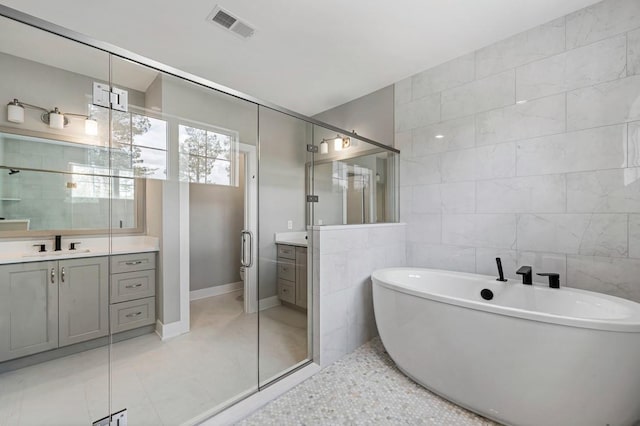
[(54, 323), (285, 245), (185, 342)]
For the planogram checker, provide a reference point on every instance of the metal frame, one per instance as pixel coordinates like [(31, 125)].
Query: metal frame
[(58, 30)]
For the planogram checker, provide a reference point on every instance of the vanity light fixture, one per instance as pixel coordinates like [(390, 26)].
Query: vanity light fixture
[(339, 143), (91, 126), (55, 118)]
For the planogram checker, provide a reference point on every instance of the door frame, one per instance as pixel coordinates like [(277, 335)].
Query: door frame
[(251, 224)]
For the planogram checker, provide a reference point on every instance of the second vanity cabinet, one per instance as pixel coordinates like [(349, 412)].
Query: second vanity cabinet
[(292, 274), (46, 305)]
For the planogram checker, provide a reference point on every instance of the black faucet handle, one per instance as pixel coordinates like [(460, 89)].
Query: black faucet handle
[(72, 246), (42, 247), (526, 273), (554, 278)]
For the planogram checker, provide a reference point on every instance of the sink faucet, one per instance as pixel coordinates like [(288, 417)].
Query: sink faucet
[(500, 273), (58, 243), (526, 273)]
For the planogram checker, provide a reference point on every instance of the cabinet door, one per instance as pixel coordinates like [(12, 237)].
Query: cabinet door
[(301, 277), (28, 308), (84, 299)]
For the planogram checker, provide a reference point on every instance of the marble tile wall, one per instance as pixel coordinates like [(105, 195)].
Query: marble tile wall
[(344, 258), (529, 149)]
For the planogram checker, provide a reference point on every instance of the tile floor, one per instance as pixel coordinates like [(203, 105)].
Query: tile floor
[(363, 388), (160, 383)]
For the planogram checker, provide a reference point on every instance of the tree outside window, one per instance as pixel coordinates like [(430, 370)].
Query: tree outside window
[(205, 156)]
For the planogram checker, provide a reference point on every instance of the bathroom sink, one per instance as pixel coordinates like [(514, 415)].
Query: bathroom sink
[(56, 253)]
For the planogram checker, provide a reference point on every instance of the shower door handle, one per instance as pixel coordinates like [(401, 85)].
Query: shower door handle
[(243, 241)]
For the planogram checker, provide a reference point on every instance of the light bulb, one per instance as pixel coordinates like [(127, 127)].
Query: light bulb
[(90, 126), (15, 112), (56, 119)]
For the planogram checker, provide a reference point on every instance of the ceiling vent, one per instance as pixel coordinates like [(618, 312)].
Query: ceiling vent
[(230, 23)]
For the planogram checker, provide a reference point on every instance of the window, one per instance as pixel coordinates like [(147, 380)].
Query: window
[(207, 156), (138, 143)]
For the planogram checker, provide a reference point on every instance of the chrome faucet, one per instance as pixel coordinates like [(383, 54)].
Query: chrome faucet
[(526, 273)]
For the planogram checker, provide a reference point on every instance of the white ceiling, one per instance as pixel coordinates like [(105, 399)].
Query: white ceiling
[(306, 55)]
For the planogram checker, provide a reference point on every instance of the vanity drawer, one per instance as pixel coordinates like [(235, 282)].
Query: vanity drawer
[(133, 285), (286, 269), (134, 314), (288, 252), (286, 291), (133, 262)]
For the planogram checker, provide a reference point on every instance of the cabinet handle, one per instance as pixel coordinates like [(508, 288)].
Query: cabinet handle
[(53, 275), (135, 262), (62, 274), (133, 314), (133, 285)]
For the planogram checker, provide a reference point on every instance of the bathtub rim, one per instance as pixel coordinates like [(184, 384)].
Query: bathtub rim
[(626, 325)]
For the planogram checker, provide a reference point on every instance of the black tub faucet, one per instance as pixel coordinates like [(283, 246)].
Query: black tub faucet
[(526, 273), (500, 273), (554, 279)]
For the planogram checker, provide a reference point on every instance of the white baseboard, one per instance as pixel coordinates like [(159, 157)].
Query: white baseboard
[(215, 291), (244, 408), (269, 302), (173, 329)]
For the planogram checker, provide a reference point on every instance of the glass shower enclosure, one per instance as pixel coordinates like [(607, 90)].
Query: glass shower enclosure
[(155, 248)]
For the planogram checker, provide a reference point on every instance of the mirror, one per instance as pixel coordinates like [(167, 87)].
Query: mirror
[(51, 185), (355, 189)]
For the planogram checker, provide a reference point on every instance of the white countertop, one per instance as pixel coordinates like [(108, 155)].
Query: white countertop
[(292, 238), (23, 250)]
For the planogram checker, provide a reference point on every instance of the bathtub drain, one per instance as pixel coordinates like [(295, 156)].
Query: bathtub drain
[(486, 294)]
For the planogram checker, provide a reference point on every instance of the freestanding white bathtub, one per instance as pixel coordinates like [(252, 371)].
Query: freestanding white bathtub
[(530, 356)]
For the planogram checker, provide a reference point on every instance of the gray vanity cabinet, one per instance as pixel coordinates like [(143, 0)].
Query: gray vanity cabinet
[(84, 299), (301, 277), (28, 308), (292, 275)]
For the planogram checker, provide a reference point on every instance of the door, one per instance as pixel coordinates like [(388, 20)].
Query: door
[(28, 309), (285, 154), (84, 299)]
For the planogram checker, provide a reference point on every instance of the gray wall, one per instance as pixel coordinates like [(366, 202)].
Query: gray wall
[(370, 116), (551, 182), (283, 155), (50, 87), (216, 217)]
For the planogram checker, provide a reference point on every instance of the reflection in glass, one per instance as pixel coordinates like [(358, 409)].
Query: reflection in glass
[(355, 185), (64, 186)]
